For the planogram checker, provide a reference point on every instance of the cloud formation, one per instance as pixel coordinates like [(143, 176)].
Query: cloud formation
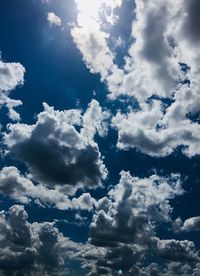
[(160, 77), (30, 249), (55, 152), (23, 190), (53, 19), (123, 233), (124, 227), (160, 73), (11, 76)]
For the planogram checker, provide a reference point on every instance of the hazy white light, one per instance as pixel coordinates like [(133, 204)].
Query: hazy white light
[(91, 8)]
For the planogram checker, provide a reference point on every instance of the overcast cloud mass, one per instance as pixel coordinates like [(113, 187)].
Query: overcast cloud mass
[(100, 137)]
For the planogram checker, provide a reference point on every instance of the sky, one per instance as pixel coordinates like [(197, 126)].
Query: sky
[(100, 137)]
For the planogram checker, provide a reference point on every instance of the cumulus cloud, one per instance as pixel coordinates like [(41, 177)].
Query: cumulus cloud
[(124, 226), (162, 74), (155, 131), (55, 152), (177, 251), (54, 19), (161, 63), (11, 76), (123, 234), (191, 224), (22, 189), (31, 249)]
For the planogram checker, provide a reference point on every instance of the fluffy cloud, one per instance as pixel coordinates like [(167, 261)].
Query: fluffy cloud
[(180, 251), (89, 37), (122, 235), (191, 224), (146, 199), (31, 249), (22, 189), (161, 63), (157, 129), (55, 152), (125, 223), (11, 104), (53, 19), (154, 130), (170, 269), (151, 66), (11, 75)]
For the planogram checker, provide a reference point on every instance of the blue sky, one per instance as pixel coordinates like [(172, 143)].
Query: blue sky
[(99, 106)]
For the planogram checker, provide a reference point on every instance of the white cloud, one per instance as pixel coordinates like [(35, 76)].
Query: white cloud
[(11, 76), (164, 35), (191, 224), (89, 37), (54, 19), (11, 104), (161, 42), (23, 190), (95, 121), (157, 131)]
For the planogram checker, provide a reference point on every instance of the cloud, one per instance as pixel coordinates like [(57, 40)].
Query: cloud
[(23, 190), (54, 19), (162, 63), (34, 249), (169, 269), (177, 251), (191, 224), (154, 130), (122, 234), (11, 76), (89, 37), (55, 152), (158, 128), (95, 120), (191, 22), (124, 227)]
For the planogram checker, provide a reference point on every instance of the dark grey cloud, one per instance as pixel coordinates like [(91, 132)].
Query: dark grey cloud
[(192, 20), (55, 152), (177, 251), (29, 249), (122, 235)]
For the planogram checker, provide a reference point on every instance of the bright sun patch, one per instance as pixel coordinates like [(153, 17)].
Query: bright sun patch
[(92, 8)]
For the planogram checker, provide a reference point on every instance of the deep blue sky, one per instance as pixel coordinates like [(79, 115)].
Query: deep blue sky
[(57, 75)]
